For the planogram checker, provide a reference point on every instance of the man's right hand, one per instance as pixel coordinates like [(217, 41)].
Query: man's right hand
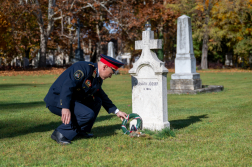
[(65, 116)]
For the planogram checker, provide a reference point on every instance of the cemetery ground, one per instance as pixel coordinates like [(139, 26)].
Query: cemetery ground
[(211, 129)]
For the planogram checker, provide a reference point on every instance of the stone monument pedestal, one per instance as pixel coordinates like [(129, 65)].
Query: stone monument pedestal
[(185, 81)]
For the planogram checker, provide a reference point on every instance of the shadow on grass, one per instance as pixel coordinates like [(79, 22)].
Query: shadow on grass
[(103, 131), (103, 118), (10, 86), (5, 106), (18, 128), (182, 123), (13, 128)]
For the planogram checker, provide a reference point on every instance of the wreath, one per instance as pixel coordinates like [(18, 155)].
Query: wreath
[(134, 116)]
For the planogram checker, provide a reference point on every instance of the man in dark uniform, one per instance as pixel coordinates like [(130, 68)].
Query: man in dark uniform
[(77, 97)]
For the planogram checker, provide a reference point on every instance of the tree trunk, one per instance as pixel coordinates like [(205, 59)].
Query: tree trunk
[(43, 48), (205, 46), (204, 56), (98, 44), (204, 52), (71, 56)]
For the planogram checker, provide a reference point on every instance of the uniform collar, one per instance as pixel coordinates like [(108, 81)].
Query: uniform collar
[(96, 66)]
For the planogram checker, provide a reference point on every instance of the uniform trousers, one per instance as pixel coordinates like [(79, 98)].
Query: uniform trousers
[(83, 116)]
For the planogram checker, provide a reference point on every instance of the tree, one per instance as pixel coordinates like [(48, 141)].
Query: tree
[(232, 20), (130, 18), (48, 14)]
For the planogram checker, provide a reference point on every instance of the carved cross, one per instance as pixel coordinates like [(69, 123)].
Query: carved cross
[(148, 40)]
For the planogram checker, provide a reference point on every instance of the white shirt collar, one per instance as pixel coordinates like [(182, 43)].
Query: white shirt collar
[(97, 72)]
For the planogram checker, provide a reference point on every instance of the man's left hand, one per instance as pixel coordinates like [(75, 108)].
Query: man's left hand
[(121, 115)]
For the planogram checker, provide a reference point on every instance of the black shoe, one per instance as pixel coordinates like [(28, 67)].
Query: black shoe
[(59, 138), (86, 135)]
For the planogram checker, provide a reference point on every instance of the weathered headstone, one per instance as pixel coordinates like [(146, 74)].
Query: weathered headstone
[(185, 77), (111, 49), (50, 60), (228, 59), (36, 60), (126, 57), (149, 84)]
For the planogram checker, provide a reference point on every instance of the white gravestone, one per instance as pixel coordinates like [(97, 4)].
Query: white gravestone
[(36, 60), (228, 59), (185, 77), (50, 60), (111, 50), (149, 84)]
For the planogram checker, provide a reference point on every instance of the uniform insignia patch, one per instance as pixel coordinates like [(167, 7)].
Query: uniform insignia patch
[(94, 73), (88, 83), (78, 74)]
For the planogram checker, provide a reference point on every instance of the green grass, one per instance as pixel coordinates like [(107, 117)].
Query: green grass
[(211, 129)]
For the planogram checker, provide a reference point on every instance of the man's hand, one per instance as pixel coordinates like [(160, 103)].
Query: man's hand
[(65, 116), (121, 115)]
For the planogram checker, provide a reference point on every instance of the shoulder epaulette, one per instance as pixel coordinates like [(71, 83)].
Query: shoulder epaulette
[(91, 65)]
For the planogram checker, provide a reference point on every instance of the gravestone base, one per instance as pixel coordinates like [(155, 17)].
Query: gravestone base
[(151, 125), (156, 126), (182, 84), (203, 89)]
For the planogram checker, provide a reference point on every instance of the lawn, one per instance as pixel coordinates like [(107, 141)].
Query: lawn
[(211, 129)]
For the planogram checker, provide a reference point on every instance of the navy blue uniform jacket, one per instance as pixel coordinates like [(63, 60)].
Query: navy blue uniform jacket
[(78, 83)]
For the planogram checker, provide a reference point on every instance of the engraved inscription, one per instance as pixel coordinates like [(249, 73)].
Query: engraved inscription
[(147, 84), (182, 39)]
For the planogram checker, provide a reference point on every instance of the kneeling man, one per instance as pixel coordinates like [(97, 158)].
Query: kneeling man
[(77, 97)]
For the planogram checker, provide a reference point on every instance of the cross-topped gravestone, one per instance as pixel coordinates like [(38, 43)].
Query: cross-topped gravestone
[(149, 84)]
